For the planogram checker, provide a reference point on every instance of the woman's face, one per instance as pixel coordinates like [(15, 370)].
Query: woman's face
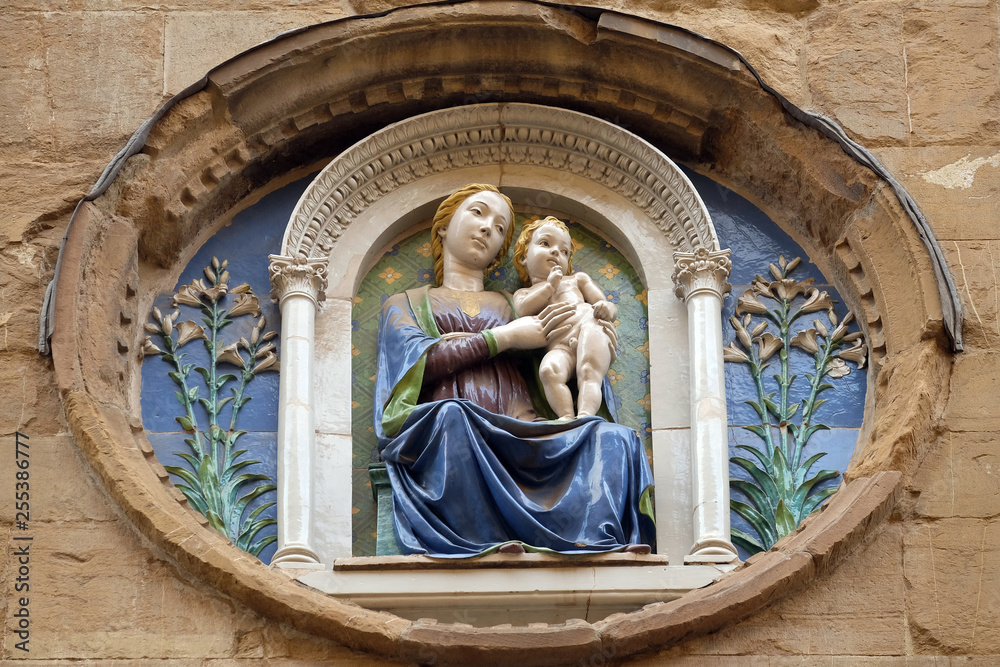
[(477, 230)]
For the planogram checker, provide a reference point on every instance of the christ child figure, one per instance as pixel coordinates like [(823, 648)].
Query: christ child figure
[(585, 346)]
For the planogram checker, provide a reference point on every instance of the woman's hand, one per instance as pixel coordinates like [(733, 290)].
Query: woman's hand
[(556, 319), (524, 333), (527, 333)]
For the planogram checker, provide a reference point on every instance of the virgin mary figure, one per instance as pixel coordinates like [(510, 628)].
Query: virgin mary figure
[(475, 461)]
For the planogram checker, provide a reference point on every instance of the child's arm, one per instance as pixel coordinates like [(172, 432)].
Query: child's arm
[(531, 300), (594, 295)]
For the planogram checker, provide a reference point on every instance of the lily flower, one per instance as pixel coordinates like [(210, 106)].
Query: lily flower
[(759, 329), (749, 303), (149, 347), (168, 322), (806, 340), (841, 329), (821, 328), (189, 331), (857, 353), (242, 288), (188, 295), (787, 289), (215, 293), (269, 363), (816, 300), (733, 353), (245, 304), (767, 345), (230, 354), (837, 368), (741, 332)]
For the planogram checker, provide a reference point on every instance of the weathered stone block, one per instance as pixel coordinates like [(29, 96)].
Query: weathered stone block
[(855, 610), (197, 41), (123, 68), (952, 570), (975, 386), (39, 195), (771, 40), (975, 266), (97, 593), (956, 187), (958, 478), (856, 69), (61, 486), (951, 73), (25, 116), (31, 401)]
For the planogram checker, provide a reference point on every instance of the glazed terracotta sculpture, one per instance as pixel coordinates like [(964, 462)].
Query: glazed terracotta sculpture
[(583, 348), (475, 457)]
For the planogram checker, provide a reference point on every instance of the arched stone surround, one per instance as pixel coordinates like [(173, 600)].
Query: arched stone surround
[(304, 98)]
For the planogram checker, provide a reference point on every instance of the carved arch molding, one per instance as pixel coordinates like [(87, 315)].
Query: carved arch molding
[(292, 104)]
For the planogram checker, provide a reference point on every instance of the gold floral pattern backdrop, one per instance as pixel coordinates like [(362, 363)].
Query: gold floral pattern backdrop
[(409, 264)]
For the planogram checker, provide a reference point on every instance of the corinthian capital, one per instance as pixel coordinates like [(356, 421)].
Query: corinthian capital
[(304, 276), (701, 271)]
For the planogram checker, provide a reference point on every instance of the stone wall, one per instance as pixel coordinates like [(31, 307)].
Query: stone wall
[(915, 81)]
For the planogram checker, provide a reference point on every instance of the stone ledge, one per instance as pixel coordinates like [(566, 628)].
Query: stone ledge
[(506, 561)]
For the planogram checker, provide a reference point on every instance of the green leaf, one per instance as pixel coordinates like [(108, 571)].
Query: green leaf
[(760, 456), (222, 380), (755, 494), (175, 376), (221, 404), (761, 525), (792, 409), (781, 474), (803, 492), (764, 482), (803, 470), (759, 410), (760, 431), (192, 393), (785, 521), (205, 375), (773, 407), (815, 500), (808, 433), (746, 542), (185, 424), (216, 521), (260, 545)]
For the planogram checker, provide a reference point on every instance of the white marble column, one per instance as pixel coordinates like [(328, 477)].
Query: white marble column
[(700, 281), (298, 286)]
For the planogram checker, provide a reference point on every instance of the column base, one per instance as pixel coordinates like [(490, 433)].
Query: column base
[(295, 555), (712, 550)]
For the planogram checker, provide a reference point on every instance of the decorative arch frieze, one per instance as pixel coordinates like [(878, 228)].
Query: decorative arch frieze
[(511, 135)]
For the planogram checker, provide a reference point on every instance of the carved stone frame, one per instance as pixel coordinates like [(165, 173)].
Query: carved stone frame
[(628, 189), (270, 113)]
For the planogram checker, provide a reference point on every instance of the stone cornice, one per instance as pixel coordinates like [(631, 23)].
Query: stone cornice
[(514, 135)]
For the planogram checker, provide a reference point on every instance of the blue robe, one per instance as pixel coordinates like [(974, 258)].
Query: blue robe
[(466, 480)]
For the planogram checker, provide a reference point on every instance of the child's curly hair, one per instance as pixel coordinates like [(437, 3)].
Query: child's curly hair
[(521, 247)]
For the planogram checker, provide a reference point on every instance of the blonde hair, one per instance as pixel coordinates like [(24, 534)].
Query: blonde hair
[(443, 216), (521, 247)]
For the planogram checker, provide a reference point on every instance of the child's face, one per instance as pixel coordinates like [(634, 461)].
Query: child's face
[(549, 247)]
